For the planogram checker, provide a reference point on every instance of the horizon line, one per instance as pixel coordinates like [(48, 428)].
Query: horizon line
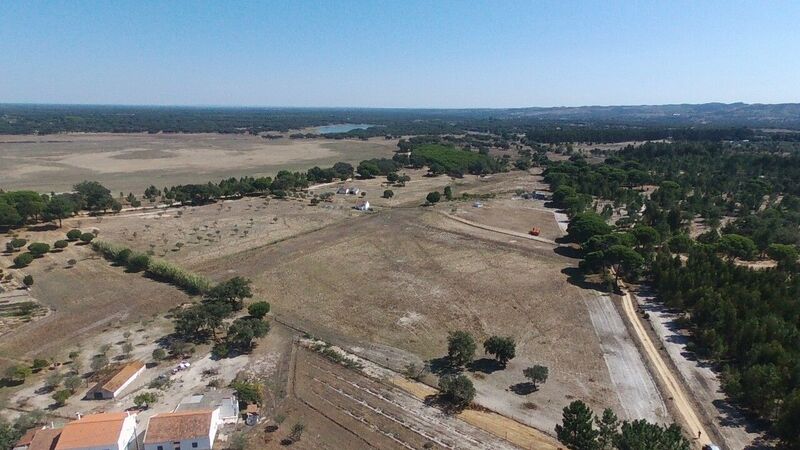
[(410, 108)]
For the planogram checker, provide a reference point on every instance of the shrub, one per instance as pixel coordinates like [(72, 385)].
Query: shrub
[(166, 271), (38, 249), (61, 244), (159, 354), (258, 309), (74, 235), (112, 252), (28, 280), (73, 382), (433, 197), (39, 364), (145, 399), (62, 396), (248, 392), (87, 237), (138, 262), (72, 262), (388, 193), (23, 260), (18, 243)]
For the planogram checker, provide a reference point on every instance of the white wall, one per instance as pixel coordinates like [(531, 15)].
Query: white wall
[(204, 443)]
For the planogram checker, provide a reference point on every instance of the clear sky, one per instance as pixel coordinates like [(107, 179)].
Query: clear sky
[(401, 53)]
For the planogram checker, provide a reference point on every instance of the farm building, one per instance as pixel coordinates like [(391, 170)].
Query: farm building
[(353, 191), (107, 431), (188, 430), (362, 205), (112, 385), (343, 190), (222, 399), (38, 439)]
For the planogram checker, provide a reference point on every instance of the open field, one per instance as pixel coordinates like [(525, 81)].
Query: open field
[(131, 162), (387, 285), (399, 280)]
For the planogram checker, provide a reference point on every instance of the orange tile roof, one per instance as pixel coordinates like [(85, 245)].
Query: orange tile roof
[(178, 425), (123, 375), (94, 430), (45, 439), (27, 438)]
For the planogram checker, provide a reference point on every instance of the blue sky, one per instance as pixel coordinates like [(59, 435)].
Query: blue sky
[(399, 53)]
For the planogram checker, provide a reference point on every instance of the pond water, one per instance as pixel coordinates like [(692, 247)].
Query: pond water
[(343, 127)]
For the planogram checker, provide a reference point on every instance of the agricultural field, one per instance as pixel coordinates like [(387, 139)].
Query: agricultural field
[(131, 162), (386, 284)]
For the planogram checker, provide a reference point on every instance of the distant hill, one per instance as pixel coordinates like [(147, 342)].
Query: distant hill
[(728, 114)]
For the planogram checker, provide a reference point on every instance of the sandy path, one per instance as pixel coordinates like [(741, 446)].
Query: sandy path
[(673, 387)]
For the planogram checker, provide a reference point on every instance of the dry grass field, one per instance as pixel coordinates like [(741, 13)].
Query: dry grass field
[(131, 162), (388, 285), (400, 279)]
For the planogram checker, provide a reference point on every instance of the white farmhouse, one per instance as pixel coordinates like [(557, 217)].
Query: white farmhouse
[(104, 431), (188, 430), (112, 386)]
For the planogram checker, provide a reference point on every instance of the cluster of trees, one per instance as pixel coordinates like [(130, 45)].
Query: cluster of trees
[(456, 388), (371, 168), (18, 208), (622, 133), (208, 319), (446, 159), (580, 429), (39, 249), (746, 320)]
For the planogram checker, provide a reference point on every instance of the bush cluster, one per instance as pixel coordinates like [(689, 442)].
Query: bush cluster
[(158, 269), (168, 272)]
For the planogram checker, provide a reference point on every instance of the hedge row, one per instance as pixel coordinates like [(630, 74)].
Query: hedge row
[(170, 273), (155, 268)]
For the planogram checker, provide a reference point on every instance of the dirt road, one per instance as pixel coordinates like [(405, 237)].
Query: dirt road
[(500, 230), (674, 390)]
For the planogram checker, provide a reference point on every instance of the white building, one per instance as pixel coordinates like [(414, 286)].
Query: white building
[(188, 430), (120, 379), (223, 399), (362, 206), (104, 431)]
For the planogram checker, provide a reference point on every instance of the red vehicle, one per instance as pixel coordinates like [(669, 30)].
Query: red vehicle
[(534, 231)]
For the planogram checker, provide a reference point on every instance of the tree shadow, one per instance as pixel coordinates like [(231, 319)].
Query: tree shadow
[(443, 366), (523, 388), (43, 227), (485, 365), (567, 251), (441, 402), (576, 277), (7, 382)]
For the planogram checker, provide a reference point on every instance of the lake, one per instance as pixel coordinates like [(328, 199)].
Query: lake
[(343, 127)]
